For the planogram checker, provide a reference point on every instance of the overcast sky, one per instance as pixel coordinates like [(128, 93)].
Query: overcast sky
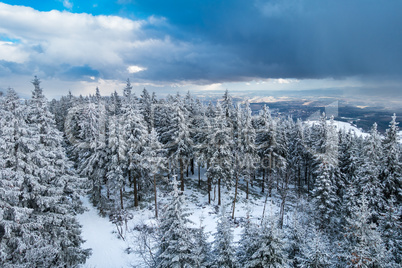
[(208, 46)]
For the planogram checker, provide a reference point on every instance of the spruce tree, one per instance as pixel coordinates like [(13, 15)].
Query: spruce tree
[(175, 238), (270, 251), (223, 251)]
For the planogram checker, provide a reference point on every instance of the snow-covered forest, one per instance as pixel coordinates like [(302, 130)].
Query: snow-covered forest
[(340, 193)]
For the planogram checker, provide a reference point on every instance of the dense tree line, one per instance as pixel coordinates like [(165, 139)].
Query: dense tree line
[(345, 189), (352, 184), (39, 189)]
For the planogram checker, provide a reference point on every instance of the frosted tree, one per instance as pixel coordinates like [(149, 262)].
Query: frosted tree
[(369, 172), (362, 244), (201, 247), (175, 238), (247, 146), (265, 139), (391, 173), (223, 250), (39, 227), (199, 134), (297, 236), (146, 109), (324, 195), (117, 157), (348, 163), (390, 227), (182, 144), (135, 135), (296, 152), (154, 161), (315, 250), (204, 143), (270, 251), (248, 243), (90, 144), (220, 167)]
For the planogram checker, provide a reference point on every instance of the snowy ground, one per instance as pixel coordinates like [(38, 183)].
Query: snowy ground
[(108, 250), (344, 125)]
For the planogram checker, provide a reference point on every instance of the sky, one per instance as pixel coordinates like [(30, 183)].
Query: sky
[(249, 47)]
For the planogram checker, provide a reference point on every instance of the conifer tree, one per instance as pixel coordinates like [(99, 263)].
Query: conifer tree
[(154, 161), (223, 251), (362, 244), (40, 229), (315, 250), (221, 161), (391, 173), (271, 251), (175, 238), (369, 182)]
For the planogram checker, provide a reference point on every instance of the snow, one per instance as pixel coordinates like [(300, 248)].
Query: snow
[(107, 249), (346, 126)]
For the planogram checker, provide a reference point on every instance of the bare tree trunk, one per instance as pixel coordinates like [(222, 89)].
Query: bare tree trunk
[(247, 189), (121, 198), (135, 192), (192, 166), (284, 192), (234, 200), (209, 186), (181, 175), (219, 191), (263, 181), (263, 210), (156, 202), (199, 175)]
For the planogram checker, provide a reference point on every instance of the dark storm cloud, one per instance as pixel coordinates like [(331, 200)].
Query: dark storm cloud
[(239, 40)]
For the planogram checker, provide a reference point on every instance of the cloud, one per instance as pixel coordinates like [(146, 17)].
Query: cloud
[(57, 39), (295, 38), (206, 42), (67, 4), (135, 69)]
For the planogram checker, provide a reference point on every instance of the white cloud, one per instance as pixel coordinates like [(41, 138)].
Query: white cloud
[(101, 42), (12, 52), (135, 69), (67, 4)]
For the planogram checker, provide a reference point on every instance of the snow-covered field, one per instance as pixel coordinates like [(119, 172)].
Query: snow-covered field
[(344, 125)]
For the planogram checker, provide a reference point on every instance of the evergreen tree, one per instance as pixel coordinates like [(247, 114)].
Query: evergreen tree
[(154, 161), (248, 243), (247, 148), (362, 244), (324, 196), (391, 173), (315, 250), (175, 238), (265, 139), (223, 250), (182, 144), (369, 182), (390, 227), (135, 137), (220, 167), (117, 157), (270, 252), (40, 229), (201, 247)]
